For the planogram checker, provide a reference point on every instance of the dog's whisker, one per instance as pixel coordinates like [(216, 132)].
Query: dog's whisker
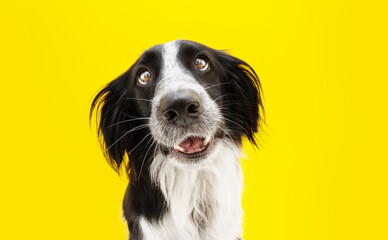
[(215, 85), (129, 120), (141, 99), (142, 164), (139, 143), (132, 130), (156, 147), (237, 103), (226, 132), (221, 97), (227, 119), (135, 117)]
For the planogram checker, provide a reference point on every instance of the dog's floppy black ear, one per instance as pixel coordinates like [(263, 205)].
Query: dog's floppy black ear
[(245, 113), (111, 106)]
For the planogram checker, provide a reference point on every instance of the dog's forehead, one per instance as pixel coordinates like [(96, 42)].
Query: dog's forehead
[(173, 49), (173, 53), (170, 53)]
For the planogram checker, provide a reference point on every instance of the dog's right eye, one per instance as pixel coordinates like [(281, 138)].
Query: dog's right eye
[(144, 77), (201, 64)]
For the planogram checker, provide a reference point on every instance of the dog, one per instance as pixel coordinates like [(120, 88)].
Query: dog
[(175, 122)]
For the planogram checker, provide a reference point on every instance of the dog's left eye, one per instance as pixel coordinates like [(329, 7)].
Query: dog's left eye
[(201, 64), (144, 77)]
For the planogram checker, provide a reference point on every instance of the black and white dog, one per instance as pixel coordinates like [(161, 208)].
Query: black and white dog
[(176, 120)]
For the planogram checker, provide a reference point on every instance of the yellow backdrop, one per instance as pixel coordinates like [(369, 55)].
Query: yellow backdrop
[(321, 172)]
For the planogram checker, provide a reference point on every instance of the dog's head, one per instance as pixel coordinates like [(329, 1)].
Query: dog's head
[(178, 99)]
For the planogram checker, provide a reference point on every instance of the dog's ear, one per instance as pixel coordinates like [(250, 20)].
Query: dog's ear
[(244, 104), (111, 107)]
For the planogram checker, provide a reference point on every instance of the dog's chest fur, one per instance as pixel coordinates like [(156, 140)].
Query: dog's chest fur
[(203, 204)]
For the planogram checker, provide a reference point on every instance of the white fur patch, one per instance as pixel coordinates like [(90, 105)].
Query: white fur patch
[(204, 203), (204, 198)]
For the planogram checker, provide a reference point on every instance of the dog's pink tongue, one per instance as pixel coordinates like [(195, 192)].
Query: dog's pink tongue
[(192, 144)]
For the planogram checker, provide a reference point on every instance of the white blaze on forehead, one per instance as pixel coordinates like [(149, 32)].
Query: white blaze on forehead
[(170, 59), (171, 64), (173, 72)]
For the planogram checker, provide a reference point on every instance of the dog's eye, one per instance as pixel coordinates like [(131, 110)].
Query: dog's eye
[(144, 77), (201, 64)]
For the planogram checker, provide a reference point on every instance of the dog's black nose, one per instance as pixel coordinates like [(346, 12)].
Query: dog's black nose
[(180, 108)]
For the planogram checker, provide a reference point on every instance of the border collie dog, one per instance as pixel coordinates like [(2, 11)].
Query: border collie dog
[(175, 122)]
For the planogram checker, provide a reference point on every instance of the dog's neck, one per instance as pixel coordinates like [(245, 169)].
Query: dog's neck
[(203, 203)]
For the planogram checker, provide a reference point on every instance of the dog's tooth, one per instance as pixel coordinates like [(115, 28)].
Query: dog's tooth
[(177, 147), (206, 141)]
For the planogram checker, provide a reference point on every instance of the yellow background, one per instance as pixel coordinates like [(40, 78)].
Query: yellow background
[(321, 172)]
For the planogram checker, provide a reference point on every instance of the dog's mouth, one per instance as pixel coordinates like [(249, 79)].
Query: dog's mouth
[(193, 147)]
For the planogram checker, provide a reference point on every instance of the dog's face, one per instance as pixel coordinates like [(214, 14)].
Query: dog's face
[(178, 99)]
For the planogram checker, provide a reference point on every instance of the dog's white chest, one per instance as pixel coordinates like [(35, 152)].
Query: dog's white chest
[(203, 204)]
